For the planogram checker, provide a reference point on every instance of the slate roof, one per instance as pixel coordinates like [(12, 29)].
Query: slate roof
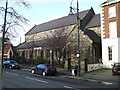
[(95, 21), (60, 22), (38, 43), (31, 44), (93, 36)]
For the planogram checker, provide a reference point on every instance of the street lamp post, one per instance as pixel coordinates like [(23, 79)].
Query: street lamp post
[(2, 46), (78, 50)]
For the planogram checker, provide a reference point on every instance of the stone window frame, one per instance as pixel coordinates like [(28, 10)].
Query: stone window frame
[(45, 35), (51, 33)]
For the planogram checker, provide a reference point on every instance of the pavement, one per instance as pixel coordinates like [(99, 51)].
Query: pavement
[(103, 76)]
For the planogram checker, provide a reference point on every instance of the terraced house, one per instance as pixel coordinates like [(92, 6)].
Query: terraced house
[(60, 37), (110, 31)]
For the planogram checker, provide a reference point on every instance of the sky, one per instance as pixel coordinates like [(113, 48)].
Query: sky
[(41, 11)]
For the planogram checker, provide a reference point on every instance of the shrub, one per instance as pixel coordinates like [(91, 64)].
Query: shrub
[(17, 58), (38, 60)]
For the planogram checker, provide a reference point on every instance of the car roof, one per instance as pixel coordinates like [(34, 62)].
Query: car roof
[(117, 63), (43, 64)]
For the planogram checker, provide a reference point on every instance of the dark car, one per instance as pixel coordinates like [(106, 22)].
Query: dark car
[(3, 62), (11, 64), (44, 69), (116, 68)]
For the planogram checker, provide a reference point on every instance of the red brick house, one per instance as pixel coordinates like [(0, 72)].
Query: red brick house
[(8, 49), (110, 31)]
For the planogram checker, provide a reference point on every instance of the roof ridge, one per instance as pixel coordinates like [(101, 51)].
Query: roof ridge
[(31, 29)]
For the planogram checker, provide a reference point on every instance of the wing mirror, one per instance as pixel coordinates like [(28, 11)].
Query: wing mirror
[(112, 65)]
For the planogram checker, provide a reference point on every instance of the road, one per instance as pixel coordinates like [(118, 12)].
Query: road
[(25, 79)]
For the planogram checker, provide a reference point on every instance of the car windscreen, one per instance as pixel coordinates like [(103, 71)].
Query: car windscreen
[(117, 65), (48, 66), (13, 62)]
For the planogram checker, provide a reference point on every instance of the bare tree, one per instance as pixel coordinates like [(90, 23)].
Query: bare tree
[(12, 19), (57, 42)]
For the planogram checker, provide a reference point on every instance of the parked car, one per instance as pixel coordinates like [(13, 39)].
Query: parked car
[(44, 69), (11, 64), (3, 62), (116, 68)]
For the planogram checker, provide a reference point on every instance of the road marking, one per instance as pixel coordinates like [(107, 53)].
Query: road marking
[(30, 78), (52, 77), (67, 87), (12, 73), (36, 80), (41, 81), (107, 83)]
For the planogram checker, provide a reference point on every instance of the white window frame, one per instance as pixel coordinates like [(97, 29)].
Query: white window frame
[(112, 12), (113, 30)]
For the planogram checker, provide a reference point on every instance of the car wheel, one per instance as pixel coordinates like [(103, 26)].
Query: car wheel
[(44, 74), (33, 71), (4, 66), (10, 67), (113, 74)]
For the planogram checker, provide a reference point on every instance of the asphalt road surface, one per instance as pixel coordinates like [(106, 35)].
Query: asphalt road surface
[(25, 79)]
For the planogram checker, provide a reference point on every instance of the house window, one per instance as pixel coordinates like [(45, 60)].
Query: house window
[(50, 33), (75, 50), (47, 54), (36, 37), (112, 12), (55, 33), (30, 54), (35, 53), (5, 46), (5, 51), (63, 32), (45, 35), (42, 36), (110, 53), (112, 30), (26, 54)]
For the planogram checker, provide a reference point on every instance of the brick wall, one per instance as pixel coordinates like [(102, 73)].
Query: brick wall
[(108, 20), (8, 47), (119, 19)]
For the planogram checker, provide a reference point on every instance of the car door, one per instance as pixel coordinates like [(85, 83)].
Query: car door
[(37, 70), (7, 64), (41, 69)]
